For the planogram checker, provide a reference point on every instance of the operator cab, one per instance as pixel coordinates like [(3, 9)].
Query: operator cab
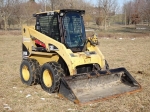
[(65, 26)]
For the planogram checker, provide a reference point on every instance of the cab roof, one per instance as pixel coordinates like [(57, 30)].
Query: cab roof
[(59, 11)]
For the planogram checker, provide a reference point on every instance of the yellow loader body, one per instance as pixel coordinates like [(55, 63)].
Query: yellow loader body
[(58, 55)]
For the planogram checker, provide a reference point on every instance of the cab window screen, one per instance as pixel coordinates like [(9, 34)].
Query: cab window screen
[(74, 30), (49, 26), (44, 23)]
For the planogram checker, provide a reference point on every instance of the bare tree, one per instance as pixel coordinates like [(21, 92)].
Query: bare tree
[(65, 4), (107, 7), (6, 9), (130, 12), (24, 11), (145, 10), (88, 7), (137, 11)]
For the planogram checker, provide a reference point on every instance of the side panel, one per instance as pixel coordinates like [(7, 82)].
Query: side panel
[(42, 58), (26, 42)]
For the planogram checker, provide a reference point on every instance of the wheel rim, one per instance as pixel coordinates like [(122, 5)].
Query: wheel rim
[(25, 73), (47, 78)]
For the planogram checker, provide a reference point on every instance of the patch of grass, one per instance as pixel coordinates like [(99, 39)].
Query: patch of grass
[(131, 54), (122, 31)]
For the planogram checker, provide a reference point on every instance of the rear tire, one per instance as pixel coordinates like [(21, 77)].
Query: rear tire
[(51, 73), (106, 65), (29, 72)]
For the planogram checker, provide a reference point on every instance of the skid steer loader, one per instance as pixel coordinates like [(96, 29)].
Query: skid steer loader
[(58, 56)]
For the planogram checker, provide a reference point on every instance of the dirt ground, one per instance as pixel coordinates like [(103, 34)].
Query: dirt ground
[(131, 53)]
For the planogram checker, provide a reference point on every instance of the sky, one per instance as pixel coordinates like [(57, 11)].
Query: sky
[(120, 2)]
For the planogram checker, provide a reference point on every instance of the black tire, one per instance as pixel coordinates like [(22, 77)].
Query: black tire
[(106, 65), (51, 73), (29, 72)]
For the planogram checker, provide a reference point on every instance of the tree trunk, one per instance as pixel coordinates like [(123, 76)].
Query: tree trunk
[(105, 27), (52, 7), (128, 21), (109, 23), (125, 18), (5, 23)]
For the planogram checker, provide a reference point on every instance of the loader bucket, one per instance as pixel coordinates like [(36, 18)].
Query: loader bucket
[(99, 85)]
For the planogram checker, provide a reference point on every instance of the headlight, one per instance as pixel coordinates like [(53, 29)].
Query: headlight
[(53, 48)]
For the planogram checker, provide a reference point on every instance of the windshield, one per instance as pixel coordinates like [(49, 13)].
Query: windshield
[(74, 30)]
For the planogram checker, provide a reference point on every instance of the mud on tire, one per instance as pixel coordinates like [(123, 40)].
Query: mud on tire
[(29, 72), (51, 73), (106, 65)]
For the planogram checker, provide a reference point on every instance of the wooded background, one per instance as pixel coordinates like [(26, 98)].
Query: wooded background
[(14, 13)]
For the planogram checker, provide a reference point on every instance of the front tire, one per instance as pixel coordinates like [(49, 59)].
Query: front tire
[(106, 64), (50, 77)]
